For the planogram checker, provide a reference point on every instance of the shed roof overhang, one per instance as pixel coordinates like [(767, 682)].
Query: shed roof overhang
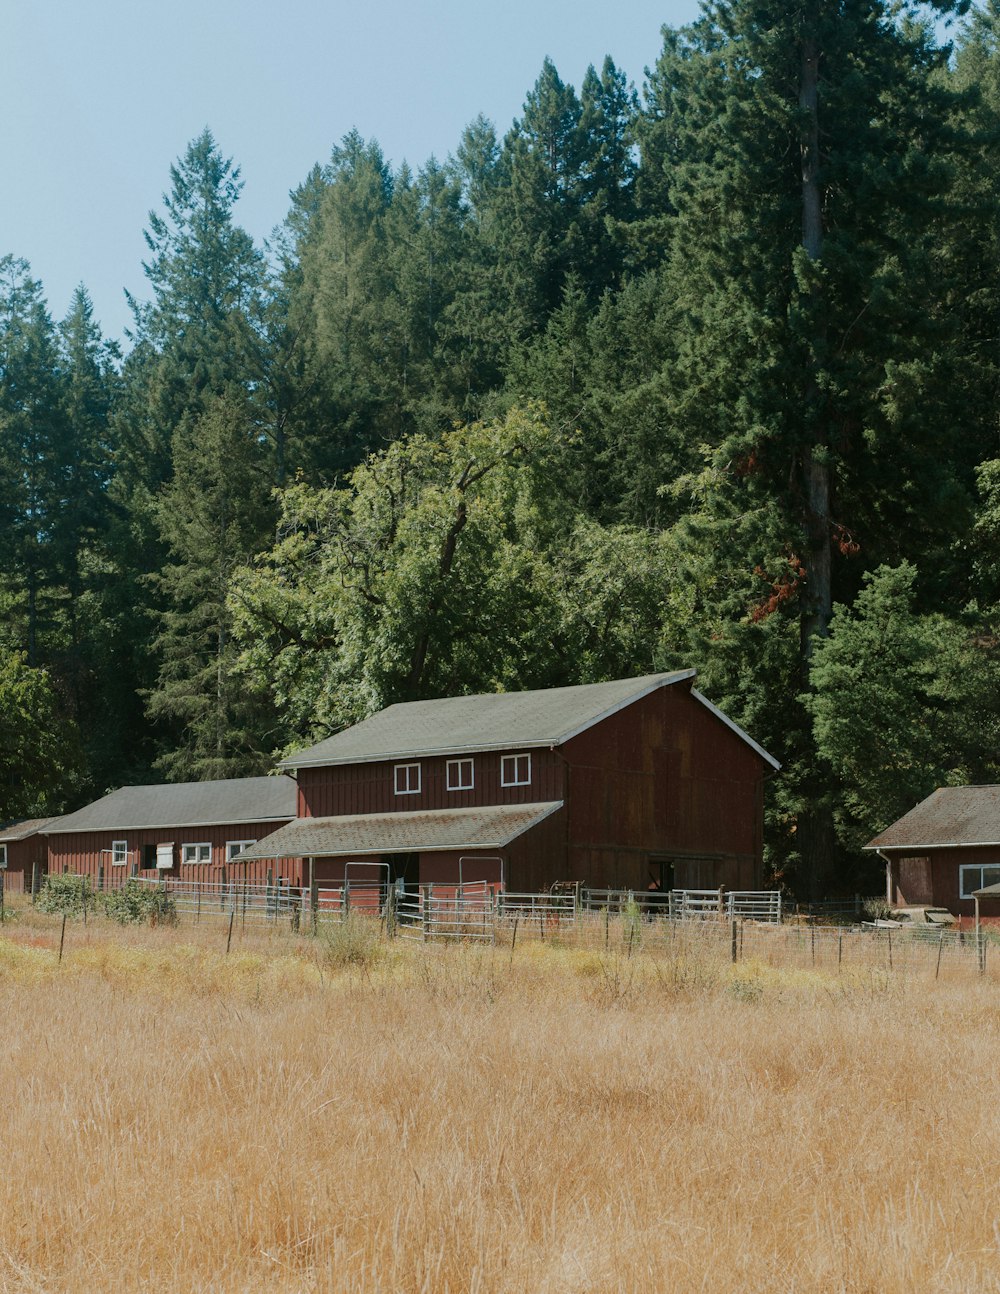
[(360, 835)]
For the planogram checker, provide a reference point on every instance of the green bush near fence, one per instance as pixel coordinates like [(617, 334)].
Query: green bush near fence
[(65, 894), (135, 903), (354, 942)]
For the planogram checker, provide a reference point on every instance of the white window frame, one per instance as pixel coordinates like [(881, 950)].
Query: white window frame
[(119, 853), (406, 770), (455, 775), (511, 762), (199, 845), (964, 888), (236, 847), (3, 855)]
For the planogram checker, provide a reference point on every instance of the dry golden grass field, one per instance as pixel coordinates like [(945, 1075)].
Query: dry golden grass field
[(306, 1115)]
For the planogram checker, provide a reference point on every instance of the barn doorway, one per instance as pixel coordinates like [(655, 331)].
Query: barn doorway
[(404, 872), (661, 874)]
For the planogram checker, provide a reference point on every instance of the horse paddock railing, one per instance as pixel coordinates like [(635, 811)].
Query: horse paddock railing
[(469, 910)]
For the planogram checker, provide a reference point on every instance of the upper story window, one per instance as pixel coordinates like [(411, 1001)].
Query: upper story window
[(972, 876), (236, 847), (3, 855), (197, 853), (515, 770), (119, 853), (461, 775), (407, 779)]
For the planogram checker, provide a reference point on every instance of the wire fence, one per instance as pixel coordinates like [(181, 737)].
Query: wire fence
[(738, 926)]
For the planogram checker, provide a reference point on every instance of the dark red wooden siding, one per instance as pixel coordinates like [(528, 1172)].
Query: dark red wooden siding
[(21, 858), (665, 776), (370, 788), (931, 878), (81, 852)]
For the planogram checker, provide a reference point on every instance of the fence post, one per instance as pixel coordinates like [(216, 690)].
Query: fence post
[(268, 883), (428, 890), (100, 877), (314, 902), (345, 900), (35, 869), (732, 932), (3, 876), (722, 902)]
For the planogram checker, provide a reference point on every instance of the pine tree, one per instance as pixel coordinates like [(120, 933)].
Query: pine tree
[(189, 401), (810, 156), (35, 461)]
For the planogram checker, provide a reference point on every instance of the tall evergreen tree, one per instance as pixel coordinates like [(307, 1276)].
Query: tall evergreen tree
[(810, 155), (35, 461), (196, 364)]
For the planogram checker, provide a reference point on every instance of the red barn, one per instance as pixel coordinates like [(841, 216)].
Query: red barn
[(195, 831), (22, 847), (943, 850), (630, 784)]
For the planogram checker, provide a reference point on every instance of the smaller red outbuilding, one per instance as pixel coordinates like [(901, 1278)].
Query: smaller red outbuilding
[(22, 848), (195, 831), (943, 850)]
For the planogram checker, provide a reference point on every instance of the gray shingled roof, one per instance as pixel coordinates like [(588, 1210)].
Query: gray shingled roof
[(951, 815), (23, 829), (185, 804), (354, 834), (490, 721)]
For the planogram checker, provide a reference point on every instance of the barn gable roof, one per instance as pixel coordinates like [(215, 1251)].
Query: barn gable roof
[(363, 834), (952, 816), (185, 804), (491, 721), (22, 829)]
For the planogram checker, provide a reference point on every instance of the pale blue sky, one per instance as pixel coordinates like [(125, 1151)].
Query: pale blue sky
[(98, 97)]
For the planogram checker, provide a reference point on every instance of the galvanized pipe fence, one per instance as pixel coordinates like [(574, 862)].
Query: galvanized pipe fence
[(688, 925)]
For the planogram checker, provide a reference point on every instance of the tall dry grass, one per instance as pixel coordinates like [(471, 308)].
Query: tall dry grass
[(453, 1119)]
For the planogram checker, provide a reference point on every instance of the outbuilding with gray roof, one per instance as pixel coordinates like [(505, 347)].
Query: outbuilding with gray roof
[(193, 830), (944, 850)]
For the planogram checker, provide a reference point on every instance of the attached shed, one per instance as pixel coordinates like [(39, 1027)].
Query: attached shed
[(22, 848), (197, 831), (944, 850), (629, 784)]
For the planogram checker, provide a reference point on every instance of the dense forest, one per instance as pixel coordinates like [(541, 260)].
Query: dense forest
[(704, 374)]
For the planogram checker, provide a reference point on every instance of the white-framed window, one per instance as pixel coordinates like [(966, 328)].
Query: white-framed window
[(461, 775), (407, 779), (235, 847), (976, 876), (197, 853), (3, 855), (119, 853), (515, 770)]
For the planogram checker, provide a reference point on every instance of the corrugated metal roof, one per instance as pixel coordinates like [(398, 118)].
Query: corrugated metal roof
[(23, 829), (951, 815), (489, 827), (488, 721), (185, 804)]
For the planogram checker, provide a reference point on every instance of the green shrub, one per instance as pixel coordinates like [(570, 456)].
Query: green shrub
[(65, 894), (354, 942), (136, 902), (876, 909)]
